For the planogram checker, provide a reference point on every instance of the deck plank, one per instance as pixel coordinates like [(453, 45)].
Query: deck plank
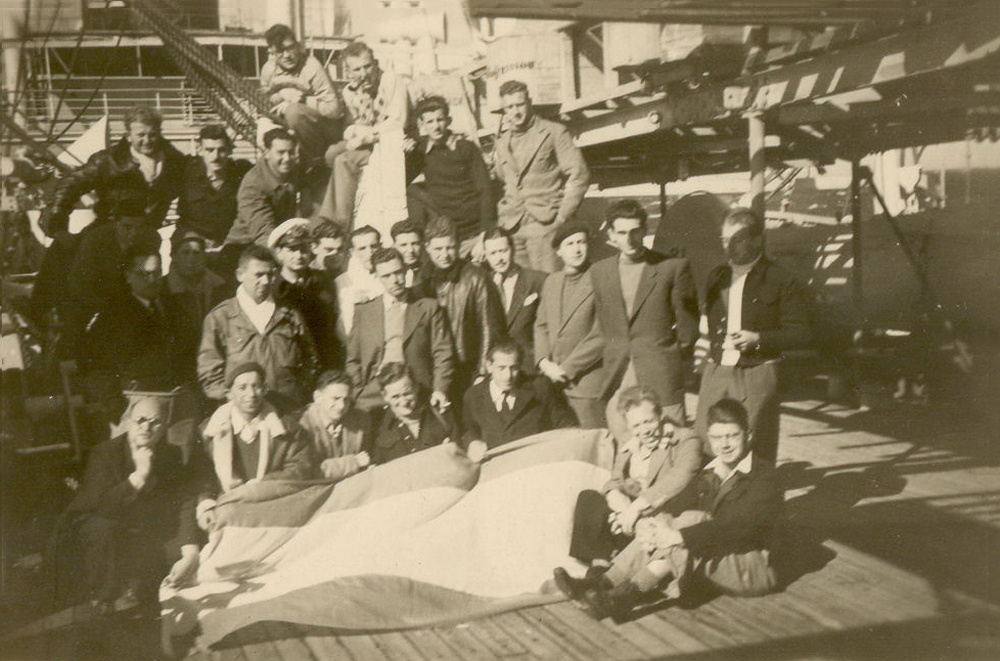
[(501, 643), (396, 647), (466, 645), (287, 639), (540, 644), (607, 639), (328, 647), (431, 646), (558, 631), (363, 648)]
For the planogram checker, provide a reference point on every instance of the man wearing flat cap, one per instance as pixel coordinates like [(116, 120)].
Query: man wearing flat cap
[(248, 441), (303, 288), (253, 327), (569, 347)]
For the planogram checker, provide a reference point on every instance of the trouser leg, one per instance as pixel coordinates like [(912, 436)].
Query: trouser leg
[(315, 131), (347, 167), (759, 386), (592, 538), (102, 540), (590, 413)]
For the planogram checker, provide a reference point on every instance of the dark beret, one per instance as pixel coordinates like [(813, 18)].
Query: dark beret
[(243, 368), (567, 230)]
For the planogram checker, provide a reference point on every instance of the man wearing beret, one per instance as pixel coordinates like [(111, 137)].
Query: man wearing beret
[(302, 288), (248, 441), (252, 326), (569, 347)]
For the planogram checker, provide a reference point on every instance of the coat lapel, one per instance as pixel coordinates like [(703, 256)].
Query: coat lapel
[(517, 298), (646, 283), (614, 281), (728, 487), (656, 461), (574, 304), (410, 320), (537, 137), (523, 398)]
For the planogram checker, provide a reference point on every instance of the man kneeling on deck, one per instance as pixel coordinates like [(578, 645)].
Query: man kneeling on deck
[(721, 543)]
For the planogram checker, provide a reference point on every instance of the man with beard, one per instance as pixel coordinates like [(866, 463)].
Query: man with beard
[(568, 342), (756, 310), (468, 298), (304, 289), (253, 327)]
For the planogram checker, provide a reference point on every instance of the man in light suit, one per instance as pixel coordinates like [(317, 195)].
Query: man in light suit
[(544, 177), (398, 327), (339, 434), (519, 291), (568, 342), (648, 311)]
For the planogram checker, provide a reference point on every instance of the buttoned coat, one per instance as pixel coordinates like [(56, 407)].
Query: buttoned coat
[(520, 315), (671, 469), (550, 186), (571, 337), (535, 410), (285, 350), (661, 329), (428, 350)]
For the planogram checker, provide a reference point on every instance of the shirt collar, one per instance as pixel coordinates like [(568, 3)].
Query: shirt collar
[(450, 142), (741, 270), (388, 301), (745, 466), (496, 394)]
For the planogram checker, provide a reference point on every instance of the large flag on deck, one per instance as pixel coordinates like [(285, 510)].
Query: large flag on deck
[(426, 539)]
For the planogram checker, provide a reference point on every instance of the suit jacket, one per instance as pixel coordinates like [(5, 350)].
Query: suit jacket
[(550, 186), (521, 313), (335, 455), (571, 337), (744, 509), (285, 350), (427, 346), (662, 328), (166, 502), (775, 304), (393, 438), (671, 469), (535, 410)]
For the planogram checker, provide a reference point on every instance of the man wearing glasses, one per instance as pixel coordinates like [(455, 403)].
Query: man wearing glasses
[(301, 93)]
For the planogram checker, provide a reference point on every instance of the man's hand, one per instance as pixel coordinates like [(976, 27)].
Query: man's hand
[(363, 459), (617, 501), (745, 340), (409, 144), (665, 537), (628, 518), (552, 371), (284, 81), (476, 451), (439, 401), (143, 460), (205, 514), (185, 569)]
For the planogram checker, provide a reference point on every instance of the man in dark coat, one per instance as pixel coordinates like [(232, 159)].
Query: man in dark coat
[(503, 408), (139, 176), (648, 311), (468, 298), (409, 423), (134, 513), (398, 327), (756, 311), (519, 291)]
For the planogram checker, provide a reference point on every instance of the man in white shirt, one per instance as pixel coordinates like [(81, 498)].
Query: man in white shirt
[(358, 283), (755, 311), (252, 327)]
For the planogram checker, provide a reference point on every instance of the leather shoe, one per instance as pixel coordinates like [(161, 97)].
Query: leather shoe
[(617, 602), (574, 588)]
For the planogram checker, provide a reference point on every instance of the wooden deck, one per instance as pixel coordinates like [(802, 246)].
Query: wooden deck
[(892, 534), (893, 525)]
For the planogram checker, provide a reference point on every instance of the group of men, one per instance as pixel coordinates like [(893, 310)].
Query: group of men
[(307, 349)]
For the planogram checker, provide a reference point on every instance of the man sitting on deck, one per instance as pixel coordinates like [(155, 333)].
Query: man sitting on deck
[(340, 434), (721, 542)]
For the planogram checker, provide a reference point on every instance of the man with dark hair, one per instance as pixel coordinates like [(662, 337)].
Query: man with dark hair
[(139, 176), (648, 311), (357, 283), (568, 342), (329, 245), (253, 327), (719, 543), (468, 298), (207, 201), (399, 327), (269, 194), (311, 292), (339, 434), (191, 291), (756, 311), (301, 93), (373, 101), (134, 513), (519, 290), (409, 423), (544, 177), (504, 408), (132, 344), (456, 182), (408, 239)]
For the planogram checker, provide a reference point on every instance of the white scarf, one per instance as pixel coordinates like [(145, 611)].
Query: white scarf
[(220, 430)]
